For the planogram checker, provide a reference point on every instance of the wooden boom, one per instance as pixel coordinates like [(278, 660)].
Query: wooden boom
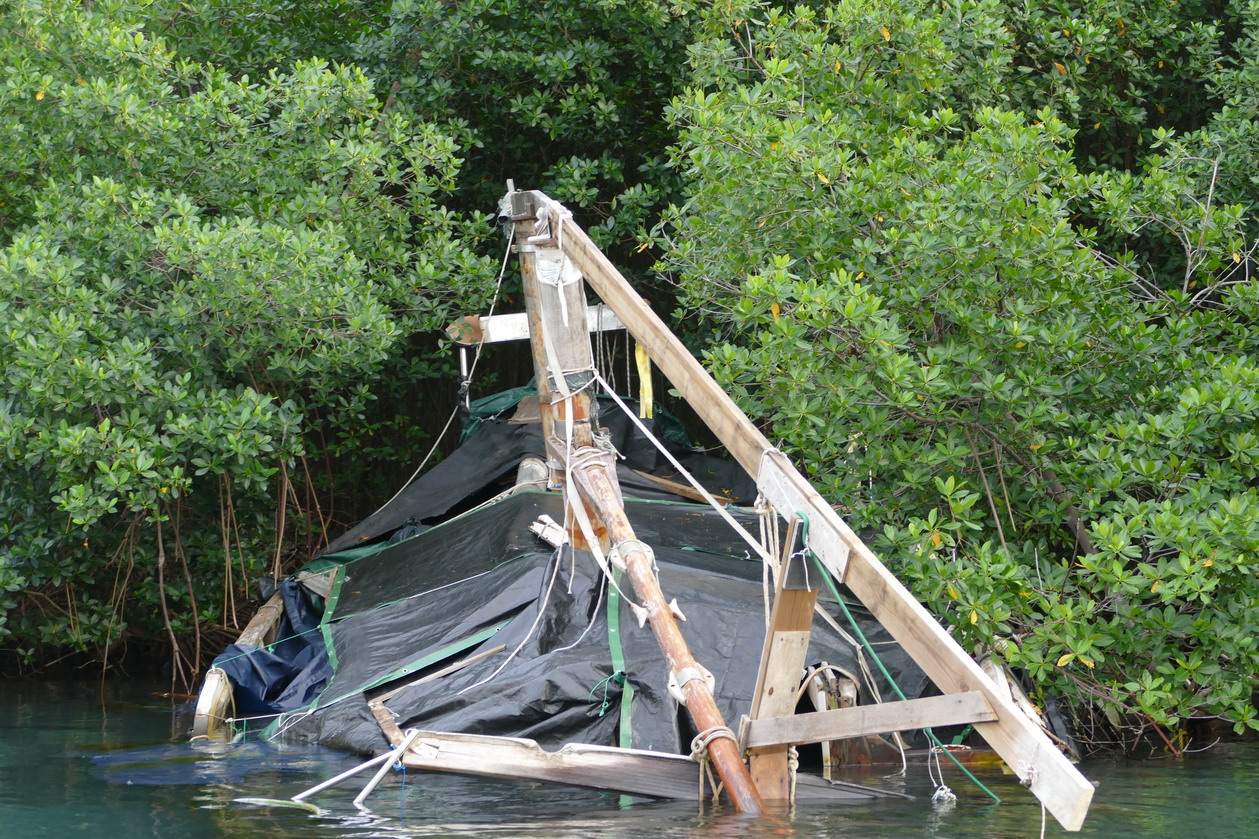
[(1017, 739)]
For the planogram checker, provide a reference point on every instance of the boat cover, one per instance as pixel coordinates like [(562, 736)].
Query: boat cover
[(574, 664)]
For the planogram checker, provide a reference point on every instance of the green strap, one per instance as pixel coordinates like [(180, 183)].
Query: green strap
[(830, 583), (625, 725)]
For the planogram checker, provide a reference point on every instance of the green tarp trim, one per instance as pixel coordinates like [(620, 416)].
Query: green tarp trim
[(434, 657), (625, 728), (493, 405)]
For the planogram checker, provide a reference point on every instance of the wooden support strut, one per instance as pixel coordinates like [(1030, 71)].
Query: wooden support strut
[(1020, 741)]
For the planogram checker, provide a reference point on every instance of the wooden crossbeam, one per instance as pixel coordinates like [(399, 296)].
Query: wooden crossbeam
[(842, 723), (494, 329)]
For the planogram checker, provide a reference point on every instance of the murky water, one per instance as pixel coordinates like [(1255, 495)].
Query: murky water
[(72, 764)]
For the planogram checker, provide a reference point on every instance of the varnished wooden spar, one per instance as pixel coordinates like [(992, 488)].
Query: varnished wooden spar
[(563, 364), (1016, 738)]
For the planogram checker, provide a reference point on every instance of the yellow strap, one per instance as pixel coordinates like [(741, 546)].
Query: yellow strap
[(644, 380)]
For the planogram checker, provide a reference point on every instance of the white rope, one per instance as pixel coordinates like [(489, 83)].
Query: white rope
[(577, 511), (542, 607), (699, 754), (764, 510), (943, 798), (502, 271), (673, 461), (594, 616), (793, 768)]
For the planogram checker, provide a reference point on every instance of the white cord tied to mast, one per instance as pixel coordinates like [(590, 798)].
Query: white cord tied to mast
[(550, 216), (699, 754), (756, 546), (554, 269)]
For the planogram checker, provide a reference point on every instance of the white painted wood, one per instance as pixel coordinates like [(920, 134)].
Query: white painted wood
[(628, 771)]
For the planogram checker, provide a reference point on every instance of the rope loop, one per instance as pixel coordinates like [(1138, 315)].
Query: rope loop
[(793, 768), (699, 754)]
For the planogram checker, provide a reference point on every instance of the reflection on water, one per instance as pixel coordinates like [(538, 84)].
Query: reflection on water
[(72, 765)]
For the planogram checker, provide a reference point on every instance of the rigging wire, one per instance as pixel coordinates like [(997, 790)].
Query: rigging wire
[(476, 357)]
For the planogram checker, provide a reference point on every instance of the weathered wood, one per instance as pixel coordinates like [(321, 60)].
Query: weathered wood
[(1020, 742), (628, 771), (843, 723), (781, 669), (214, 704), (494, 329), (683, 490), (692, 382), (261, 628)]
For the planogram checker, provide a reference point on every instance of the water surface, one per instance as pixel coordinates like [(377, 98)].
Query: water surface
[(76, 763)]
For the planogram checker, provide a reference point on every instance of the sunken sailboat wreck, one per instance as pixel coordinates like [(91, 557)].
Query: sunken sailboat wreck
[(574, 595)]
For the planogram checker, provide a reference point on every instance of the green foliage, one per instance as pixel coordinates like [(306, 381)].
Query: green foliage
[(562, 97), (986, 268), (197, 265), (1054, 446)]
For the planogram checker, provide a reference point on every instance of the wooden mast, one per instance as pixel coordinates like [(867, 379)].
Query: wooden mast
[(1017, 739), (556, 304)]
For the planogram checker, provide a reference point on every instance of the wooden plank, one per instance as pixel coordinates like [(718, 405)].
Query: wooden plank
[(262, 626), (782, 667), (670, 776), (1020, 742), (842, 723), (495, 329), (776, 697), (713, 404), (684, 490)]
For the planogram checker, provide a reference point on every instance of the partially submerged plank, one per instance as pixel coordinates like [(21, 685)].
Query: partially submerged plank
[(1019, 741), (261, 627), (863, 720), (628, 771)]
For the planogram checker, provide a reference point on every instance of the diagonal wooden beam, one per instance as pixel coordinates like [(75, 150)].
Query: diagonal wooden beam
[(1020, 741)]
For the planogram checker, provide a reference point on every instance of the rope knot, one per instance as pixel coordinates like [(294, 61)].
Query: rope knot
[(699, 754)]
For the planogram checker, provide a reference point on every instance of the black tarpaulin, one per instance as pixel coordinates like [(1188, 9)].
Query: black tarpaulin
[(487, 462), (483, 581)]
